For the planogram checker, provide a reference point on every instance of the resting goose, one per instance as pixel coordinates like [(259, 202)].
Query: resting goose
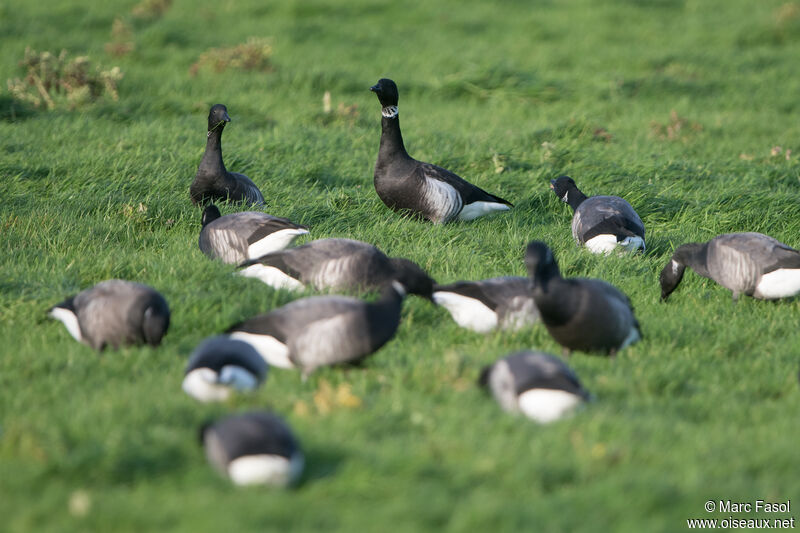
[(601, 223), (340, 264), (750, 263), (115, 313), (253, 449), (580, 314), (238, 237), (536, 384), (405, 184), (213, 182), (220, 365), (323, 330), (489, 304)]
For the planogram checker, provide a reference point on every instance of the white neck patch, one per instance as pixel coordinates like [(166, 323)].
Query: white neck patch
[(565, 198), (389, 111)]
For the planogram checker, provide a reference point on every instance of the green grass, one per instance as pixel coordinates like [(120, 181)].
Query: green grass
[(705, 407)]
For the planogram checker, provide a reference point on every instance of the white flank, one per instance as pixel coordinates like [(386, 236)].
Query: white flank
[(780, 283), (272, 276), (632, 244), (467, 312), (201, 384), (523, 314), (547, 405), (273, 242), (333, 272), (443, 199), (70, 321), (263, 469), (269, 348), (237, 377), (478, 209), (602, 244)]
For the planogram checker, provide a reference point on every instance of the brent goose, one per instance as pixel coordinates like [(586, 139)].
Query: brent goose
[(405, 184), (537, 384), (213, 182), (254, 448), (750, 263), (601, 223), (486, 305), (323, 330), (220, 365), (580, 314), (340, 264), (238, 237), (115, 313)]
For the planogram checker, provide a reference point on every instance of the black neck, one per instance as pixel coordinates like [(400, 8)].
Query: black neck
[(555, 301), (391, 139), (693, 255), (575, 198), (212, 158)]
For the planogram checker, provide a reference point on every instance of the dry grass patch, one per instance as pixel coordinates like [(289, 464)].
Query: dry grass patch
[(255, 54)]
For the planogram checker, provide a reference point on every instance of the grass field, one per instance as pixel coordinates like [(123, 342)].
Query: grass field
[(674, 105)]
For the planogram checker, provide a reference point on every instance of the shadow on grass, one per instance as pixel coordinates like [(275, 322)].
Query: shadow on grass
[(12, 110), (321, 463)]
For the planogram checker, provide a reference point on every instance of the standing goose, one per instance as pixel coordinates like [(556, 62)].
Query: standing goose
[(537, 384), (601, 223), (323, 330), (486, 305), (253, 449), (220, 365), (341, 264), (580, 314), (213, 182), (403, 183), (115, 313), (750, 263), (238, 237)]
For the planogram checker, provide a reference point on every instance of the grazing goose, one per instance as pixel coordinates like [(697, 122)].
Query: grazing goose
[(580, 314), (220, 365), (341, 264), (323, 330), (486, 305), (253, 449), (213, 182), (403, 183), (115, 313), (238, 237), (539, 385), (601, 223), (750, 263)]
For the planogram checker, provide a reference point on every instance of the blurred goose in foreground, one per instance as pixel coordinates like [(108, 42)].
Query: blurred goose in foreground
[(323, 330), (253, 449), (213, 182), (115, 313), (405, 184), (750, 263), (238, 237), (489, 304), (580, 314), (601, 223), (220, 365), (340, 264), (539, 385)]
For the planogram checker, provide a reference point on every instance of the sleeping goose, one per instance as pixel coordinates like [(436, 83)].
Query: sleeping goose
[(601, 223), (580, 314), (340, 264), (323, 330), (750, 263), (238, 237), (213, 182), (405, 184), (253, 449), (220, 365), (537, 384), (115, 313), (486, 305)]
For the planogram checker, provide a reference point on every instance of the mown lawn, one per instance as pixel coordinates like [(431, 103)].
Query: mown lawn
[(675, 105)]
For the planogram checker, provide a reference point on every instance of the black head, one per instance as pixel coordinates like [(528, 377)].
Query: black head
[(386, 90), (412, 277), (217, 117), (210, 214), (483, 378), (671, 275), (541, 264), (563, 185)]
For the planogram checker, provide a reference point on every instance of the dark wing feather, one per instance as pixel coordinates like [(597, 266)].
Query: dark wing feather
[(469, 192)]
